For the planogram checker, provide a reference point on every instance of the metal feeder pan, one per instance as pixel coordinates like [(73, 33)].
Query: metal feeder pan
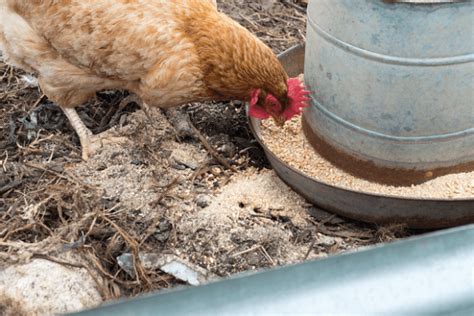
[(374, 208)]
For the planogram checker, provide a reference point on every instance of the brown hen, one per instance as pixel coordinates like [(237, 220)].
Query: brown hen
[(166, 52)]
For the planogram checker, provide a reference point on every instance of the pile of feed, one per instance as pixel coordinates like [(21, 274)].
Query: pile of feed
[(291, 146)]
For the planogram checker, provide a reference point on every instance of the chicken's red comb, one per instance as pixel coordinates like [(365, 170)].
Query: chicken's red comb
[(298, 96)]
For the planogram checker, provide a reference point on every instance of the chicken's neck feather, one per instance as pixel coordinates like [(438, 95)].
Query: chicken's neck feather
[(233, 61)]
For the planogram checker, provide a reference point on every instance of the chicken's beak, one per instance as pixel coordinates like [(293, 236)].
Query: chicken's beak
[(279, 120)]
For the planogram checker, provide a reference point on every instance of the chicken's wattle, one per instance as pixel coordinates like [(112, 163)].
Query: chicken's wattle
[(256, 110)]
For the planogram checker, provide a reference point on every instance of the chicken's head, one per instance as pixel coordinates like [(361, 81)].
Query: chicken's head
[(279, 106)]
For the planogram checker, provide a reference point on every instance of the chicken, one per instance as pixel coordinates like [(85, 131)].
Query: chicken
[(167, 53)]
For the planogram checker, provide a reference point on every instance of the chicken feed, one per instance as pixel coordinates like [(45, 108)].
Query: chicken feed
[(291, 146)]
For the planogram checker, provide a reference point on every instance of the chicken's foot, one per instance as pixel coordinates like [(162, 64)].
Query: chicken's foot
[(90, 143)]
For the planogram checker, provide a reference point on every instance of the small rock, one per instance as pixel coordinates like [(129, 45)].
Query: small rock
[(203, 200), (59, 168), (228, 149), (109, 202), (162, 236), (125, 261), (180, 269), (254, 259), (181, 157), (163, 230), (42, 287), (325, 241), (136, 162), (267, 4), (165, 153), (101, 166), (179, 120), (178, 166), (171, 264), (216, 170)]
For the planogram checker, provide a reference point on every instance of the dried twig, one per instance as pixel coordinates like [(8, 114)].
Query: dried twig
[(10, 186), (165, 191), (252, 249), (294, 5), (133, 244), (210, 149)]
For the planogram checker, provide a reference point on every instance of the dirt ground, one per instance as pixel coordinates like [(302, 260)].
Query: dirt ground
[(160, 193)]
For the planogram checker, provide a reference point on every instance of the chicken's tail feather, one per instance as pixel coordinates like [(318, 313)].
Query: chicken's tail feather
[(19, 43)]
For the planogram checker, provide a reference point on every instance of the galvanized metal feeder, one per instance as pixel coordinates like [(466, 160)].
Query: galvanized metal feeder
[(394, 86), (394, 103)]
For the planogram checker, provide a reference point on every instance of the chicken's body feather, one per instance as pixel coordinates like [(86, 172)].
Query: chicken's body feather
[(80, 46), (166, 52)]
